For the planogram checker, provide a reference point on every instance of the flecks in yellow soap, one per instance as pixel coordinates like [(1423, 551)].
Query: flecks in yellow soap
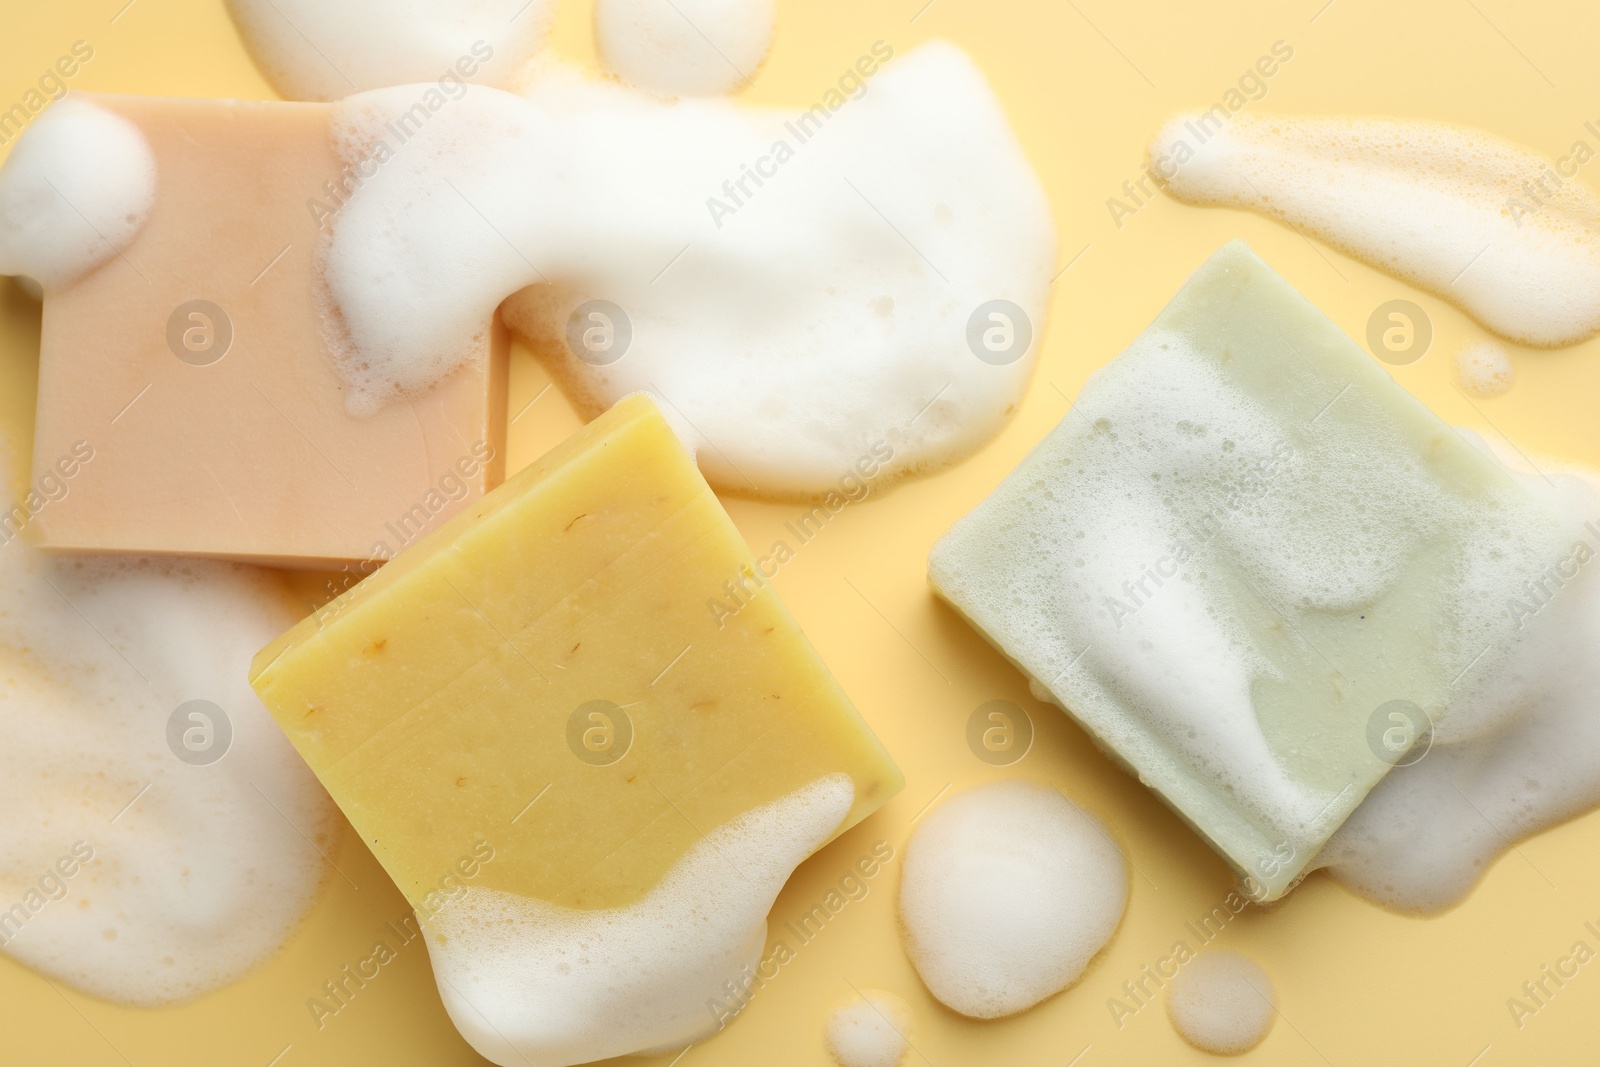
[(542, 678)]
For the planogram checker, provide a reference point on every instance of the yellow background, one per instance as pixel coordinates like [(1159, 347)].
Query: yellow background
[(1085, 82)]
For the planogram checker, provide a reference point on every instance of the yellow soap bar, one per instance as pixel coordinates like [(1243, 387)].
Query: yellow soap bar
[(548, 695)]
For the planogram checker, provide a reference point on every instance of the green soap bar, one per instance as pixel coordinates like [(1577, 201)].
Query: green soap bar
[(1253, 567)]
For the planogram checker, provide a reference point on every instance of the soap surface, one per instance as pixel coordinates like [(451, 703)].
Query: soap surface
[(1252, 566), (195, 363), (552, 680)]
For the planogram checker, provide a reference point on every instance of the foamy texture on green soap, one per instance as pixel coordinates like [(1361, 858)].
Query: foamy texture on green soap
[(1243, 541), (1519, 755)]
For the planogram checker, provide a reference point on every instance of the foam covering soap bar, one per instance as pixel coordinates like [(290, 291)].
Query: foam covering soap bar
[(1252, 566), (185, 345), (589, 785)]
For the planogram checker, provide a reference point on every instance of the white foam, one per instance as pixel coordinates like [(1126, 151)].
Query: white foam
[(1485, 369), (1221, 1002), (537, 985), (1007, 893), (1523, 756), (685, 47), (1188, 665), (822, 314), (328, 49), (1435, 205), (197, 873), (871, 1029), (73, 193)]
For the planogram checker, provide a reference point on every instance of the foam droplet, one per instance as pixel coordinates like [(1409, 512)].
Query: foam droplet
[(1008, 891), (870, 1030), (74, 192), (328, 49), (1221, 1002), (687, 47), (1485, 369)]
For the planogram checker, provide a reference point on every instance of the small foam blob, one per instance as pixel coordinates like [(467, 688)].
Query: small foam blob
[(1007, 893), (1443, 207), (802, 313), (533, 984), (1221, 1002), (1485, 369), (74, 192), (1522, 755), (685, 47), (328, 49), (136, 864), (872, 1029)]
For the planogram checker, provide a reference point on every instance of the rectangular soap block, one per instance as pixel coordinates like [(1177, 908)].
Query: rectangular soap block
[(227, 434), (1253, 567), (543, 679)]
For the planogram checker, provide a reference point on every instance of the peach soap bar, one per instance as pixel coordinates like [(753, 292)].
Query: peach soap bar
[(542, 679), (194, 364)]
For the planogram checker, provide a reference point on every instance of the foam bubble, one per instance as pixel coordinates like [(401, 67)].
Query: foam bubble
[(1443, 207), (687, 47), (74, 192), (1485, 369), (1007, 893), (1523, 755), (870, 1030), (185, 874), (537, 985), (793, 326), (328, 49), (1221, 1002)]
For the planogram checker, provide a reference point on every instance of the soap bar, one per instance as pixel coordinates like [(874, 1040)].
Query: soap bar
[(553, 678), (194, 366), (1254, 568)]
